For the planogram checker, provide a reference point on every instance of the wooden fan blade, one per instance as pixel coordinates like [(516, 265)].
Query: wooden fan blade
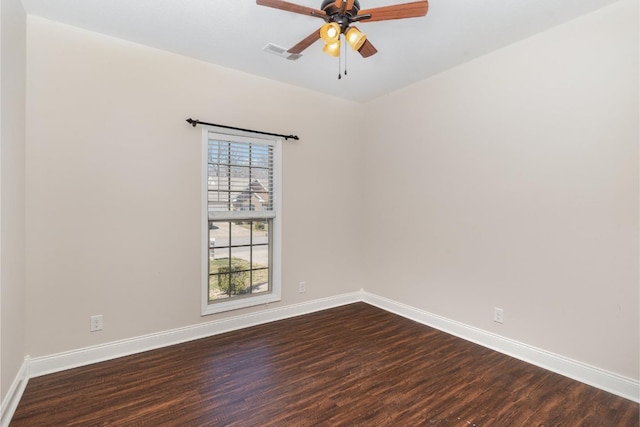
[(306, 42), (397, 11), (349, 5), (344, 5), (291, 7), (367, 49)]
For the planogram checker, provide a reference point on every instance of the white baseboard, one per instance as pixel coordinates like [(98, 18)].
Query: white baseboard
[(596, 377), (86, 356), (14, 394), (593, 376)]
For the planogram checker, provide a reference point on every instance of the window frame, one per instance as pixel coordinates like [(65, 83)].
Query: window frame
[(221, 306)]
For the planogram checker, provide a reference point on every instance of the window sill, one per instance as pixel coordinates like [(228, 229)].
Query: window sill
[(236, 304)]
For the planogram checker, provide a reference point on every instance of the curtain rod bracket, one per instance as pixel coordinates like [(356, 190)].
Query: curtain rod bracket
[(193, 123)]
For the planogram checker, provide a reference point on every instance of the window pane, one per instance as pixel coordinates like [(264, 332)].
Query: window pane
[(260, 280), (261, 231), (218, 261), (240, 283), (240, 257), (219, 234), (260, 256), (214, 290), (240, 233)]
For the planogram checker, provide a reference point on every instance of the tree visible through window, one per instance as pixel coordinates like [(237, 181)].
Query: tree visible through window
[(241, 217)]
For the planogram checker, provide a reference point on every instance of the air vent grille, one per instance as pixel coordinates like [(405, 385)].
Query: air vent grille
[(281, 52)]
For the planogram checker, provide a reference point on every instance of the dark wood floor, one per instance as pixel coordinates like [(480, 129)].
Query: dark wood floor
[(354, 365)]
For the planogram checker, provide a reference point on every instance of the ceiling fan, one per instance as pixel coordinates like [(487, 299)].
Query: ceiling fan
[(339, 15)]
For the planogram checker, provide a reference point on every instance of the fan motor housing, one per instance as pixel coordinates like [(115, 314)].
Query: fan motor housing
[(330, 8)]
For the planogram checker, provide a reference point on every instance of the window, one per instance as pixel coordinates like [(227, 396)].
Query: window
[(240, 221)]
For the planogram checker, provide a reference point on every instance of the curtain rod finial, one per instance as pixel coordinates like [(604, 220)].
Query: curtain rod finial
[(192, 122)]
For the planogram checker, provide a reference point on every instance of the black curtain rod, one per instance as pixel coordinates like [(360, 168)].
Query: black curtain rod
[(198, 122)]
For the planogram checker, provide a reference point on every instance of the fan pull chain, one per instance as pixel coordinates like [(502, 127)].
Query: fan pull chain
[(345, 59), (339, 64)]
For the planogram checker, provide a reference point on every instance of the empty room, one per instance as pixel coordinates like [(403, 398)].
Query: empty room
[(308, 212)]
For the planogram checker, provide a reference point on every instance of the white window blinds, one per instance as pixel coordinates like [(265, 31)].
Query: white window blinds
[(239, 178)]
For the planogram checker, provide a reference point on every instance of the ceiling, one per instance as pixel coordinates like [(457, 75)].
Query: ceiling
[(233, 33)]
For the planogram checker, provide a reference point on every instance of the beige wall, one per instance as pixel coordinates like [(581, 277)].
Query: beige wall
[(12, 191), (512, 181), (113, 185)]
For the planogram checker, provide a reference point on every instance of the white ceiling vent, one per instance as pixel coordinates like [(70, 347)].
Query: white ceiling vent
[(281, 52)]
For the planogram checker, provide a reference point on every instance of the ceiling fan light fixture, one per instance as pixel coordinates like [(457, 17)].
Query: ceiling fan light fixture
[(355, 38), (332, 49), (330, 32), (338, 15)]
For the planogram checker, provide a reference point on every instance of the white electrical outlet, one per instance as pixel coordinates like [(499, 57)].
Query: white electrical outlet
[(302, 287), (96, 323), (498, 315)]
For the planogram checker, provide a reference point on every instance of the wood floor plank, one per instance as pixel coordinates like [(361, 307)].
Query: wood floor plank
[(354, 365)]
